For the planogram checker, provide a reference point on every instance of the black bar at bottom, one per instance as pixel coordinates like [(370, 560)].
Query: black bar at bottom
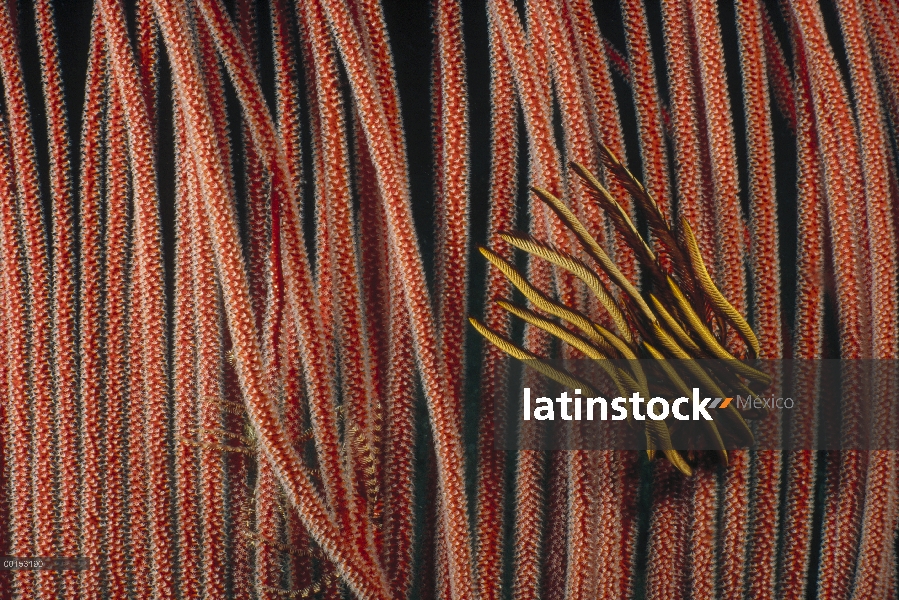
[(44, 563)]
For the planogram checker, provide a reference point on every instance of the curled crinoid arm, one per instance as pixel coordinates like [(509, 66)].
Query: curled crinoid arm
[(675, 327), (535, 362), (619, 216), (697, 373), (657, 434), (593, 249), (541, 301), (579, 269), (719, 302), (664, 236), (711, 343), (575, 341), (681, 316), (682, 388)]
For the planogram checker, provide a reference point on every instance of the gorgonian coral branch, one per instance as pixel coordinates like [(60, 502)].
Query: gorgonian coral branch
[(648, 104), (843, 177), (808, 344), (495, 369), (297, 273), (880, 502), (15, 297), (149, 273), (90, 325), (402, 235), (764, 532), (240, 320), (28, 207), (117, 273), (64, 315)]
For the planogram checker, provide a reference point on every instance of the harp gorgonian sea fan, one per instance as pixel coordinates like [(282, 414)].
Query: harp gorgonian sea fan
[(681, 315)]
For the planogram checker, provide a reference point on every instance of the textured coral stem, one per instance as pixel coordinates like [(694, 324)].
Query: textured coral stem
[(544, 163), (581, 578), (296, 424), (148, 59), (882, 25), (449, 111), (257, 196), (648, 104), (350, 321), (18, 465), (442, 403), (763, 533), (64, 336), (215, 87), (875, 164), (702, 532), (452, 154), (207, 371), (373, 33), (529, 525), (555, 562), (567, 81), (6, 447), (534, 98), (91, 308), (652, 120), (779, 72), (533, 33), (840, 157), (324, 280), (800, 468), (259, 211), (685, 122), (116, 348), (152, 295), (398, 466), (208, 323), (222, 223), (267, 526), (576, 579), (495, 369), (735, 526), (287, 94), (297, 272), (374, 274), (186, 463), (719, 127), (529, 71), (762, 193), (614, 471), (666, 531), (880, 504), (383, 291), (667, 544), (841, 169), (582, 70), (137, 509), (288, 123), (39, 301)]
